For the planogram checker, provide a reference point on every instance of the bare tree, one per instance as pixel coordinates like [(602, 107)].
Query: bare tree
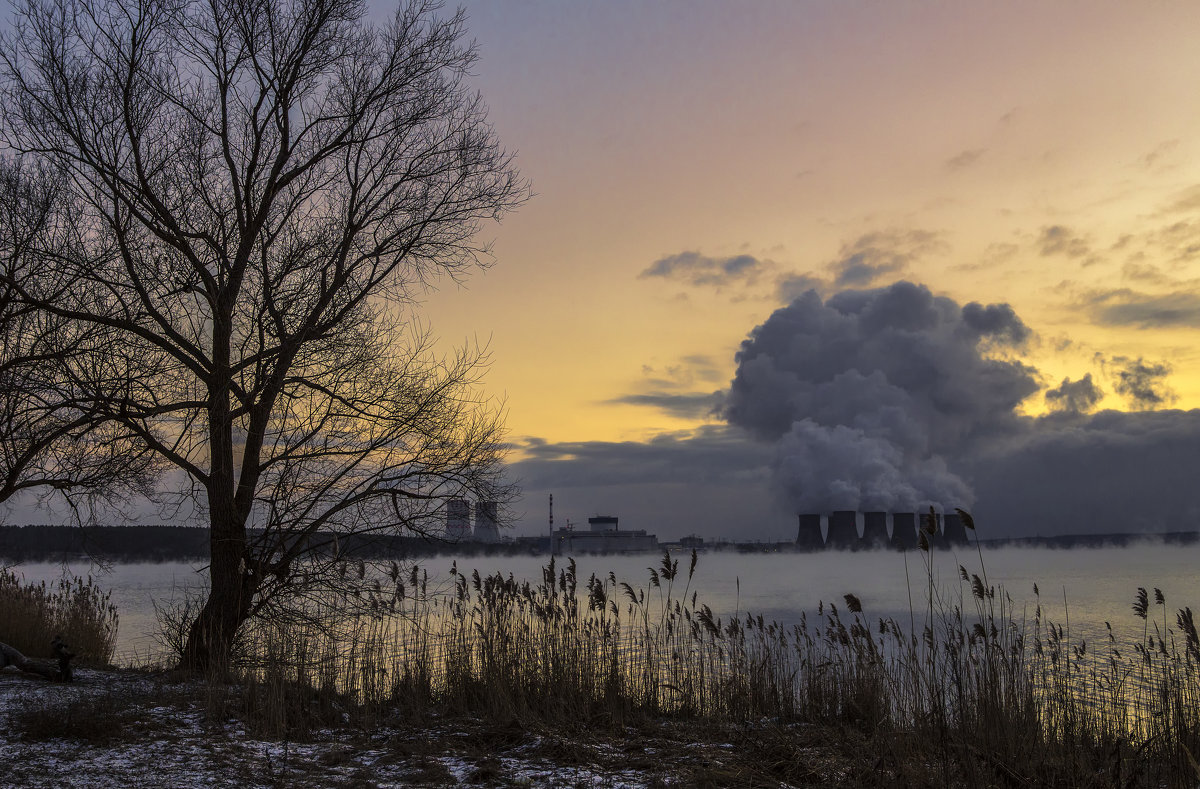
[(264, 189), (52, 440)]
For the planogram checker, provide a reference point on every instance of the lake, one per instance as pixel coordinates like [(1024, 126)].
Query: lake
[(1084, 587)]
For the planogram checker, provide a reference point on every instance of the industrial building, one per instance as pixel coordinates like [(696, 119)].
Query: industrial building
[(602, 536), (842, 531), (487, 528), (458, 520)]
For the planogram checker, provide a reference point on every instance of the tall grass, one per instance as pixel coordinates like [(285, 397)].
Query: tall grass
[(76, 609), (970, 686)]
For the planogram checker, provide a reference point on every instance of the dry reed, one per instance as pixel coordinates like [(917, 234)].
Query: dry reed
[(31, 615), (970, 685)]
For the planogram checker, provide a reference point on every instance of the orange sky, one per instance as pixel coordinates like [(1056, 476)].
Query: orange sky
[(699, 164), (1042, 154)]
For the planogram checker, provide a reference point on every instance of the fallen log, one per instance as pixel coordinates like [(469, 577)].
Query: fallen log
[(10, 656)]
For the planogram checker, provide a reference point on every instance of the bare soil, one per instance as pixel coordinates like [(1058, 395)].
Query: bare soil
[(138, 729)]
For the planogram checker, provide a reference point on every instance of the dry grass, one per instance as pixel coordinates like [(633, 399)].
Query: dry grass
[(96, 719), (969, 694), (74, 608)]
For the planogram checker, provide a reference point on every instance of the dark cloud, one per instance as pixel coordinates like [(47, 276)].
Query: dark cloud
[(711, 482), (1060, 240), (694, 268), (1074, 397), (895, 376), (683, 374), (996, 322), (688, 405), (1127, 307), (673, 388), (792, 286), (871, 256), (965, 159), (704, 367), (713, 453), (1109, 472), (1140, 382)]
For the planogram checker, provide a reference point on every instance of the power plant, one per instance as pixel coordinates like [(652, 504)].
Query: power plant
[(603, 535), (842, 532), (458, 521), (487, 527)]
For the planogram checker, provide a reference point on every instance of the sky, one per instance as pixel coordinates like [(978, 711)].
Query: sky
[(699, 166), (798, 256)]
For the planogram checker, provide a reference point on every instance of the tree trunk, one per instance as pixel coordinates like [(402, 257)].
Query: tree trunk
[(231, 579), (212, 633), (9, 656)]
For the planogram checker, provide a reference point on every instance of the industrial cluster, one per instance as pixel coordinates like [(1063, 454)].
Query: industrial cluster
[(458, 521), (602, 536), (842, 530)]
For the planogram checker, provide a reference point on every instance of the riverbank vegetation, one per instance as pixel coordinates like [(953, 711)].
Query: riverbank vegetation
[(75, 610), (969, 691)]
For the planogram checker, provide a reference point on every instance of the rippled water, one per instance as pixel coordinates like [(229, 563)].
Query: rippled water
[(1082, 587)]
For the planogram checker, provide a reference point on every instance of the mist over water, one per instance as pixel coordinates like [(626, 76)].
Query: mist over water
[(1083, 587)]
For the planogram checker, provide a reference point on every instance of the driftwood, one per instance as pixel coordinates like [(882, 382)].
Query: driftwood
[(45, 669)]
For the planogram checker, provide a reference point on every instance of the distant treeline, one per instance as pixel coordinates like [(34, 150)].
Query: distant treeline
[(1096, 540), (176, 543)]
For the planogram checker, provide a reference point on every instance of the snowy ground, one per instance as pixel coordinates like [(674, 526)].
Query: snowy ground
[(128, 729)]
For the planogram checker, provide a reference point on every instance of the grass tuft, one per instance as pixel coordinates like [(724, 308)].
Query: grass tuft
[(31, 615)]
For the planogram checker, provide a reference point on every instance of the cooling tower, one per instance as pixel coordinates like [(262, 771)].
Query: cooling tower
[(843, 530), (904, 531), (953, 530), (487, 529), (458, 520), (874, 529), (931, 524), (808, 538)]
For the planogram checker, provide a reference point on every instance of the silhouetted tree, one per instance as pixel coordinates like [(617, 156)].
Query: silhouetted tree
[(263, 188), (52, 440)]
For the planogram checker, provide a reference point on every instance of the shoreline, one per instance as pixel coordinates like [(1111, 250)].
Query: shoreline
[(156, 729)]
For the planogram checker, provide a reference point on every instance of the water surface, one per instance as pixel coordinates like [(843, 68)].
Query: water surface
[(1082, 587)]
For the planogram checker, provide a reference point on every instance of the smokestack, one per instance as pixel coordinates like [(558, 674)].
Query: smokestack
[(808, 538), (904, 531), (458, 520), (486, 527), (843, 530), (875, 529), (954, 532)]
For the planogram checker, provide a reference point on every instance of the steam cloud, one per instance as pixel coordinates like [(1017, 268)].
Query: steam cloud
[(895, 399), (867, 393)]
